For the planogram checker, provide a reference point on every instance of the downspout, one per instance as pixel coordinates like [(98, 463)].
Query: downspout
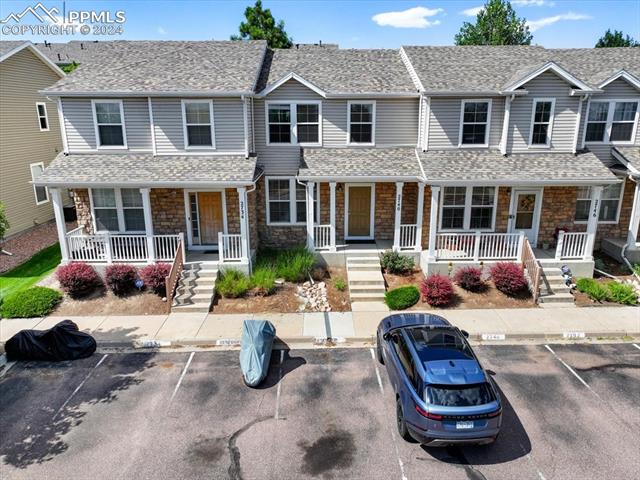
[(505, 124)]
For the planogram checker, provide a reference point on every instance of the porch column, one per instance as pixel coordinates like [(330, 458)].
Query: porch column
[(244, 240), (148, 224), (433, 222), (419, 215), (634, 223), (56, 201), (310, 208), (396, 231), (332, 214), (592, 223)]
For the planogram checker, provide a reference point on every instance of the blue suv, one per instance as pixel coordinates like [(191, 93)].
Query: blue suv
[(443, 395)]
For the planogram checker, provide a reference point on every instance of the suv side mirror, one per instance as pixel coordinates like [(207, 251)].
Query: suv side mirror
[(465, 333)]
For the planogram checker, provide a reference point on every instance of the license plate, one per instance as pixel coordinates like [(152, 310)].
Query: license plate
[(464, 425)]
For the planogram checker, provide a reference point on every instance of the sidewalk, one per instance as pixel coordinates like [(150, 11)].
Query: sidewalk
[(349, 327)]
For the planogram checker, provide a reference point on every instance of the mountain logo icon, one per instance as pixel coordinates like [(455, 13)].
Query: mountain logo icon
[(39, 11)]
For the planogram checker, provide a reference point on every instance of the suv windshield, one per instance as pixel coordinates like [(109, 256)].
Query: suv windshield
[(439, 344), (459, 395)]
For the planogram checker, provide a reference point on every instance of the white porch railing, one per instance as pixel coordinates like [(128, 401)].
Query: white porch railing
[(407, 240), (572, 245), (108, 248), (322, 237), (479, 246), (230, 247)]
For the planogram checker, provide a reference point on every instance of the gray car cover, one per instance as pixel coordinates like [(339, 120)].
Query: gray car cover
[(255, 350)]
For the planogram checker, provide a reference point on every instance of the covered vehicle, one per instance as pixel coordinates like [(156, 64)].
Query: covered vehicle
[(255, 350), (61, 342)]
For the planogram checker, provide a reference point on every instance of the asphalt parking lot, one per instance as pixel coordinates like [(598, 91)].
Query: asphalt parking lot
[(571, 411)]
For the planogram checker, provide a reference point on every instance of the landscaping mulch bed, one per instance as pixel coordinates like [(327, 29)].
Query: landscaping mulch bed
[(339, 300), (106, 303), (284, 300), (611, 266), (583, 300)]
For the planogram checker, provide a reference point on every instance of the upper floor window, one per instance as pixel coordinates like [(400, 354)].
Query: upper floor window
[(542, 122), (109, 123), (41, 193), (118, 210), (474, 123), (294, 123), (43, 120), (361, 128), (610, 202), (197, 118), (468, 208), (612, 121)]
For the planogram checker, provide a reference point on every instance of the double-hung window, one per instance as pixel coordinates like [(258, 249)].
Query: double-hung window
[(43, 119), (287, 201), (612, 121), (474, 123), (118, 210), (41, 193), (468, 208), (197, 117), (294, 123), (108, 117), (361, 127), (542, 122), (610, 202)]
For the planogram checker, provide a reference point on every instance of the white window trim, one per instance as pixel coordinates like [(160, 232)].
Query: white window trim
[(45, 116), (373, 122), (488, 129), (292, 201), (551, 100), (185, 134), (467, 210), (293, 115), (122, 125), (603, 222), (46, 190), (119, 212), (607, 130)]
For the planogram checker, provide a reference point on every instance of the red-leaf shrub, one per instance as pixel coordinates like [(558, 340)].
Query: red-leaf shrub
[(437, 290), (154, 276), (508, 277), (121, 279), (78, 279), (469, 278)]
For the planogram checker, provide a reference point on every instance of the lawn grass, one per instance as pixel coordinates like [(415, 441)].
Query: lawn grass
[(30, 272)]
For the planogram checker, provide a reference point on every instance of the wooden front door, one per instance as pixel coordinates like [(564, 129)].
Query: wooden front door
[(359, 225), (211, 221)]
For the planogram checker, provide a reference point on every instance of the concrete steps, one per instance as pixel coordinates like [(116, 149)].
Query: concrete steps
[(196, 289), (366, 283), (553, 290)]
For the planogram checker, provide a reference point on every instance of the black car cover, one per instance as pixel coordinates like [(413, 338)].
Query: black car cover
[(62, 342)]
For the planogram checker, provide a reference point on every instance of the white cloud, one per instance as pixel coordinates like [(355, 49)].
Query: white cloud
[(161, 31), (546, 21), (533, 3), (416, 17), (471, 12)]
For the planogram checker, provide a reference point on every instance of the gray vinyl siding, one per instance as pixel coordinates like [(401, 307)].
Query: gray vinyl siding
[(80, 129), (169, 133), (444, 122), (396, 124), (547, 85)]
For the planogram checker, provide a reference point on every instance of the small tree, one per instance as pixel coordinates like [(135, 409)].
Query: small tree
[(4, 223), (496, 24), (616, 39), (261, 25)]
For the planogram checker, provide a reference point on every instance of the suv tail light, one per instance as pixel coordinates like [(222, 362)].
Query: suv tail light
[(494, 414), (424, 413)]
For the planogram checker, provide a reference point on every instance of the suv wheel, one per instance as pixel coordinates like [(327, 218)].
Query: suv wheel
[(402, 426), (379, 350)]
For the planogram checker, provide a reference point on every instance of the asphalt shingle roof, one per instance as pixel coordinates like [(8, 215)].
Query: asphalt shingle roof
[(485, 68), (73, 51), (137, 67), (7, 45), (146, 170), (340, 71), (631, 154), (326, 163), (492, 168)]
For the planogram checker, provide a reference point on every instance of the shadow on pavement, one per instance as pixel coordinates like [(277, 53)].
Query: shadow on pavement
[(278, 371)]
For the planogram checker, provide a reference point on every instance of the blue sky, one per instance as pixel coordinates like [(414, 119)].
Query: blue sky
[(352, 24)]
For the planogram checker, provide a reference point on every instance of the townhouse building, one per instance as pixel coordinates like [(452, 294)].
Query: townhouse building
[(210, 150)]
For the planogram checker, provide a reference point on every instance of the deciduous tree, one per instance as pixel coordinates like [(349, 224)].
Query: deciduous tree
[(496, 24), (616, 39)]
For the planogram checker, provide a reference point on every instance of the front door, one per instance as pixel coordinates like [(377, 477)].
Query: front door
[(525, 213), (210, 217), (359, 212)]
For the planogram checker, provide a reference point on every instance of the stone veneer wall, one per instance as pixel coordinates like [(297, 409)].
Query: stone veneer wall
[(385, 211), (167, 211), (275, 235), (252, 200), (83, 208), (233, 211)]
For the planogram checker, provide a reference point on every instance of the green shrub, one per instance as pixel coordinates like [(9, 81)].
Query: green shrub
[(622, 293), (233, 284), (293, 264), (636, 269), (32, 302), (393, 262), (264, 280), (402, 297), (340, 284), (593, 289)]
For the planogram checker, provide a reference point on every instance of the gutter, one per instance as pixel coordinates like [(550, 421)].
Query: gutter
[(104, 94)]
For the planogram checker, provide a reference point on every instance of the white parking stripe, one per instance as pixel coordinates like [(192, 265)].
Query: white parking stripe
[(279, 385), (80, 386), (570, 369), (184, 372), (636, 345), (5, 365)]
